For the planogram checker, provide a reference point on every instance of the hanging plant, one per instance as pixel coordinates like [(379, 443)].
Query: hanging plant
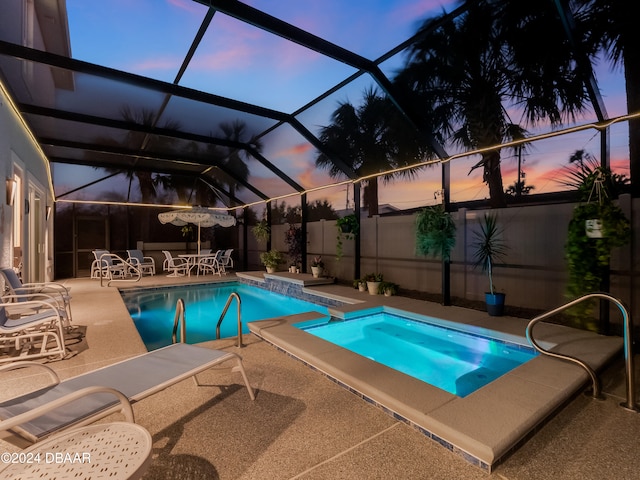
[(348, 227), (435, 232), (261, 231), (587, 255)]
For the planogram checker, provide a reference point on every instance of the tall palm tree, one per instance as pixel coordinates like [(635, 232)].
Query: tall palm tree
[(611, 26), (235, 160), (366, 139), (467, 71)]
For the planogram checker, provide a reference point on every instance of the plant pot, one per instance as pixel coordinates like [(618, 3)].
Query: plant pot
[(373, 287), (362, 287), (316, 271), (593, 228), (292, 269), (271, 269), (495, 303), (388, 293)]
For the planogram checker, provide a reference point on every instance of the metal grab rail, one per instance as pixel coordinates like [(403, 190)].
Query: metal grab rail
[(224, 312), (181, 313), (103, 268), (628, 347)]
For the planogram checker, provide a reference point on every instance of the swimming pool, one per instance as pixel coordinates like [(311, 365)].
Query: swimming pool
[(455, 361), (153, 310)]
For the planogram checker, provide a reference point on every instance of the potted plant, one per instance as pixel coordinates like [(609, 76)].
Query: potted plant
[(348, 226), (489, 248), (360, 284), (389, 288), (373, 282), (271, 259), (261, 231), (317, 267)]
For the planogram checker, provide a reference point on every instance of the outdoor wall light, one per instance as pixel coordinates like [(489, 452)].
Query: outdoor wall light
[(11, 190)]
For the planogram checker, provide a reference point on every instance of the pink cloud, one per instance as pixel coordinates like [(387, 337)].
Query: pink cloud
[(187, 5)]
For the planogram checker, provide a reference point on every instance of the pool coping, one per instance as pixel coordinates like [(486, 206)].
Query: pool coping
[(482, 427)]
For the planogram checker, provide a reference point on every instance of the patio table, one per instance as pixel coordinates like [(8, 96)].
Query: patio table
[(118, 450)]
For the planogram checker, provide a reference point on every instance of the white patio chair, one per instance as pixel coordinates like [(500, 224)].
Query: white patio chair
[(177, 266), (52, 292), (145, 264), (226, 261), (29, 330), (108, 265), (209, 264)]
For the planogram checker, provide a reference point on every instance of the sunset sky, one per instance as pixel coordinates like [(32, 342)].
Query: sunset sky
[(235, 60)]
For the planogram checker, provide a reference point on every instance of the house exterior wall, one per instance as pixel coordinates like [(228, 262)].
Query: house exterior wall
[(18, 151)]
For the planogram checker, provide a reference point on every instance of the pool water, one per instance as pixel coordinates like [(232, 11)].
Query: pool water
[(457, 362), (153, 310)]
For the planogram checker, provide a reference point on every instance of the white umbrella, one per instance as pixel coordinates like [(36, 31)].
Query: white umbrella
[(201, 216)]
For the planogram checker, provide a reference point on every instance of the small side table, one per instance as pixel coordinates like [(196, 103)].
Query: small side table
[(118, 450)]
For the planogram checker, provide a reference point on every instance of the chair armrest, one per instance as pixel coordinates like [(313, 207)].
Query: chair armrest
[(25, 364), (56, 287), (66, 399)]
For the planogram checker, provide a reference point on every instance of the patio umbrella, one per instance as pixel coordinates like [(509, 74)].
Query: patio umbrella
[(201, 216)]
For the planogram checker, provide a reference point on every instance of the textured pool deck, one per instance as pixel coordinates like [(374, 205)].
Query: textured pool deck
[(302, 425)]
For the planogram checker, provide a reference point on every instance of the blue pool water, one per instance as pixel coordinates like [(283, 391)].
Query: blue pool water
[(153, 310), (457, 362)]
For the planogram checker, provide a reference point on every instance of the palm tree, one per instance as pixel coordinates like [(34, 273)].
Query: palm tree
[(365, 137), (467, 70), (235, 160), (611, 26)]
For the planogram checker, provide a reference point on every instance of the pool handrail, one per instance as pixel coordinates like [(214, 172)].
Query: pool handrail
[(224, 312), (181, 314), (630, 404)]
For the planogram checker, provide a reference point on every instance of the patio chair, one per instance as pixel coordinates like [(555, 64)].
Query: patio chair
[(210, 264), (226, 261), (56, 407), (30, 327), (144, 264), (108, 265), (52, 292), (177, 266)]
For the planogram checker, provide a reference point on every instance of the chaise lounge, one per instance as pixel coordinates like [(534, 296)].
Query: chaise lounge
[(94, 395)]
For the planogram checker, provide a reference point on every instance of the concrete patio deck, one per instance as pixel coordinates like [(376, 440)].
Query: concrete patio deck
[(302, 425)]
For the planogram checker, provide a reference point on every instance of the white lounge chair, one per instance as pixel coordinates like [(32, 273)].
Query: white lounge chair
[(144, 264), (30, 329), (176, 266), (94, 395)]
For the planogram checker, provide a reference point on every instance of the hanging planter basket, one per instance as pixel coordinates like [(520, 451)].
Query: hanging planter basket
[(594, 228)]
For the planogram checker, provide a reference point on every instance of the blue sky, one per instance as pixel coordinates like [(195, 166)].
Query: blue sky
[(235, 60)]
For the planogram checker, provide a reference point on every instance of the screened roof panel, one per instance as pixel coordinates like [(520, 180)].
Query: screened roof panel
[(143, 37), (95, 82), (239, 61), (205, 119)]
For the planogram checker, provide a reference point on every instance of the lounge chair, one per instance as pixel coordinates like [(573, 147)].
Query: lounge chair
[(144, 264), (31, 327), (52, 292), (108, 390), (176, 266)]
